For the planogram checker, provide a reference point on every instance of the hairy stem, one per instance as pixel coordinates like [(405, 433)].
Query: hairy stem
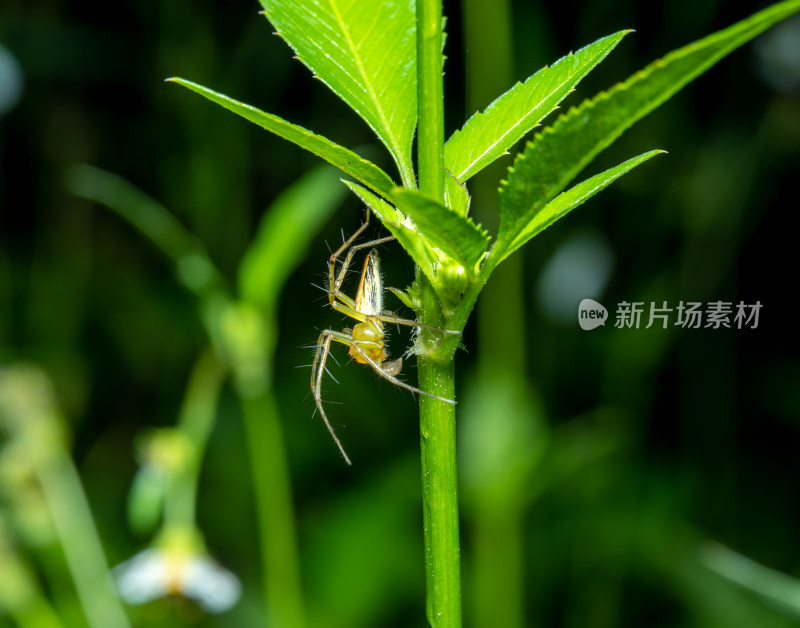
[(430, 98), (440, 487), (435, 365)]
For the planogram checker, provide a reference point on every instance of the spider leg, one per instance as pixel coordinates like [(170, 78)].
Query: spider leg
[(317, 369), (380, 371), (335, 280), (390, 318), (349, 310), (368, 345)]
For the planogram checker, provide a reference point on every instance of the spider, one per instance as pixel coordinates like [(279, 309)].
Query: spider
[(365, 339)]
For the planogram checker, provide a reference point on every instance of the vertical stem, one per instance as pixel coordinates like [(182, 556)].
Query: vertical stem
[(435, 366), (252, 354), (282, 587), (196, 422), (430, 97), (439, 485), (440, 495)]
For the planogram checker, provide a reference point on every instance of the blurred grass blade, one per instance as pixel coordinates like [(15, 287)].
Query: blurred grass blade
[(365, 52), (22, 598), (575, 138), (457, 236), (773, 586), (193, 265), (286, 229), (33, 422), (530, 221), (489, 134), (346, 160)]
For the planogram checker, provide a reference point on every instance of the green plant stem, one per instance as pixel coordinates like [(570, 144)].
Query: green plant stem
[(282, 587), (430, 98), (439, 483), (440, 495), (251, 352), (435, 366), (196, 422), (270, 474), (77, 535)]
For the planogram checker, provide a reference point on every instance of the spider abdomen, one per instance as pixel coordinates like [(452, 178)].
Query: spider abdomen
[(369, 338)]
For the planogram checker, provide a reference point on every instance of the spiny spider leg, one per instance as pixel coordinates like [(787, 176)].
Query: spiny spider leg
[(366, 339), (383, 373), (346, 305), (317, 369), (334, 290), (390, 318)]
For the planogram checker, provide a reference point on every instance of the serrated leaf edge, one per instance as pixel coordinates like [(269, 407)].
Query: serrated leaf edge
[(465, 172), (659, 63), (400, 154)]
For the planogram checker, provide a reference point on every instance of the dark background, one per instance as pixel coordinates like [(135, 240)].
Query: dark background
[(678, 436)]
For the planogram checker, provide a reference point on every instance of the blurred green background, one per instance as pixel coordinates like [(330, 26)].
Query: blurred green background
[(596, 466)]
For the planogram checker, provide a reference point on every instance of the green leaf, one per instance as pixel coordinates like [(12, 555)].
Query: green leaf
[(576, 137), (489, 134), (448, 270), (456, 196), (286, 229), (458, 237), (346, 160), (401, 228), (560, 206), (365, 51)]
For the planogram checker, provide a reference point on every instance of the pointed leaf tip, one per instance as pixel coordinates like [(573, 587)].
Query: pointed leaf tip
[(577, 136), (490, 133)]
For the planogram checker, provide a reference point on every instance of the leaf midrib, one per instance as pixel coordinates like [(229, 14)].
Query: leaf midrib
[(387, 129)]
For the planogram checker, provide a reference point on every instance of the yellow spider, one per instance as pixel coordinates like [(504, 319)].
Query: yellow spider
[(365, 339)]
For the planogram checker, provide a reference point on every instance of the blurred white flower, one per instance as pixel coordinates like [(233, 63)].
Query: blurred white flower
[(11, 81), (778, 55), (579, 269), (158, 572)]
